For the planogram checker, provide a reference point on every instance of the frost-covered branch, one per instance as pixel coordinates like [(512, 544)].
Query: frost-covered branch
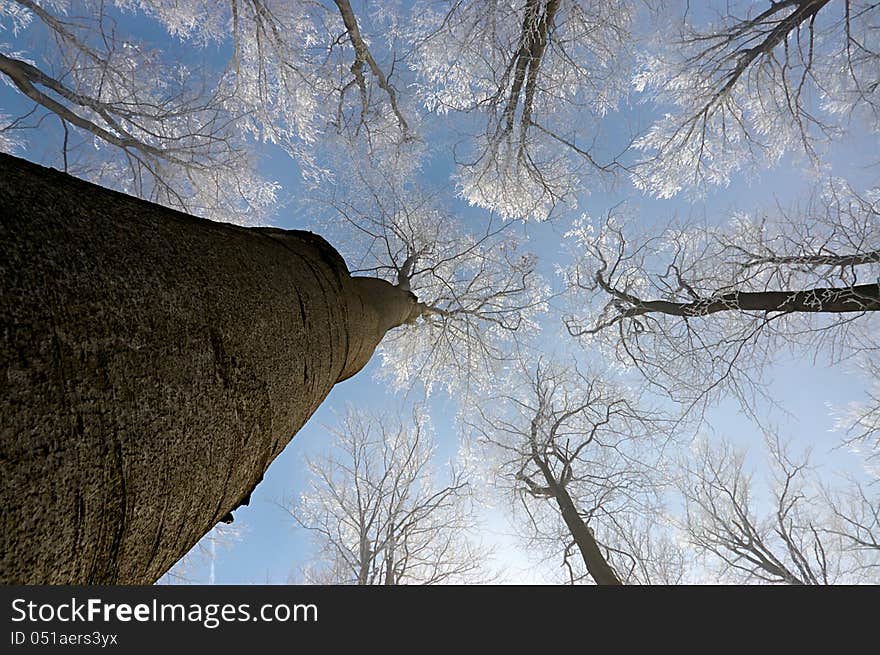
[(752, 82), (177, 125), (132, 118), (478, 289), (700, 310), (540, 73)]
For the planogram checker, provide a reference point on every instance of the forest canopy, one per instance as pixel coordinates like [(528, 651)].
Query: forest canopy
[(643, 239)]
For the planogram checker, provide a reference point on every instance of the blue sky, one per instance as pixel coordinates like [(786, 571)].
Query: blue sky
[(270, 549)]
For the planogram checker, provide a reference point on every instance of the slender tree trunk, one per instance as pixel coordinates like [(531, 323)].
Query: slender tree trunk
[(594, 560), (597, 565), (152, 365)]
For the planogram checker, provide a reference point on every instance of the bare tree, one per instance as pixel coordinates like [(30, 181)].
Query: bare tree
[(751, 81), (379, 514), (853, 513), (582, 459), (578, 446), (702, 310), (801, 534), (540, 72)]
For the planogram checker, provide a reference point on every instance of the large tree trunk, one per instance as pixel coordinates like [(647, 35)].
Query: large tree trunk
[(152, 365)]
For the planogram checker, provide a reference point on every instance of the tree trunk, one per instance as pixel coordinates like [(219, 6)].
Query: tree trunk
[(597, 566), (153, 365), (594, 560)]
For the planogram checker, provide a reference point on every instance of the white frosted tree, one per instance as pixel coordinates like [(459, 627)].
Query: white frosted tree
[(701, 311), (177, 125), (532, 81), (380, 513), (539, 74), (744, 83), (128, 115), (478, 287)]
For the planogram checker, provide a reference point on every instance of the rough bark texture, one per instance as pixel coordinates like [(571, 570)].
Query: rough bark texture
[(152, 365)]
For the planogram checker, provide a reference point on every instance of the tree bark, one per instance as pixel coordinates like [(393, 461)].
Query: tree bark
[(153, 365), (594, 560), (830, 300), (597, 566)]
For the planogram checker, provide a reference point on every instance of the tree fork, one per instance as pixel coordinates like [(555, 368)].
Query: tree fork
[(153, 365)]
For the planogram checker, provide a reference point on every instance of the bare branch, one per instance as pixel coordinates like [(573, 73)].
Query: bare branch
[(378, 515)]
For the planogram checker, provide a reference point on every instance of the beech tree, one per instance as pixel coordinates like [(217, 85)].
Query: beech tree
[(107, 296), (478, 287), (379, 514), (156, 364), (158, 120), (582, 458), (459, 278)]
